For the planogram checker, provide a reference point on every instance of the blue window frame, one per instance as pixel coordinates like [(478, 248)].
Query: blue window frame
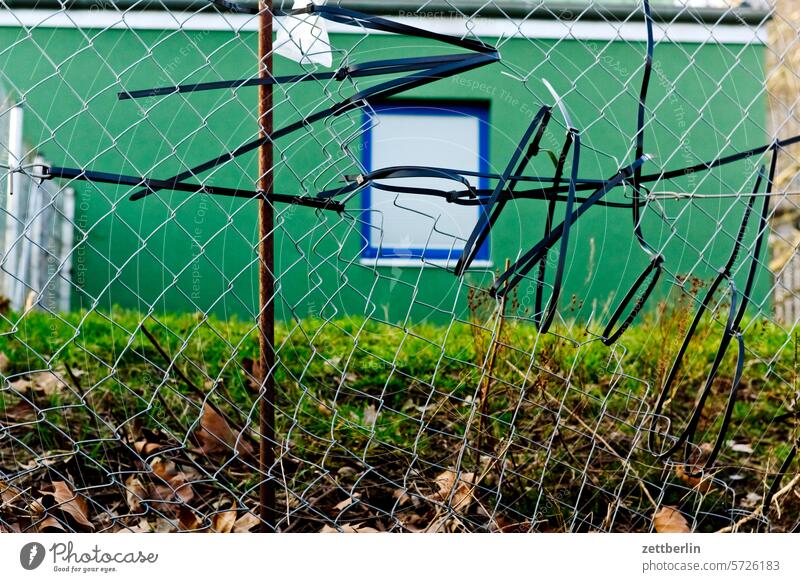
[(411, 227)]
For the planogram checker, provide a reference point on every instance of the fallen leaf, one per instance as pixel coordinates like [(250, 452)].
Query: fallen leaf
[(188, 519), (141, 527), (702, 483), (224, 521), (346, 502), (48, 383), (669, 520), (357, 528), (50, 525), (163, 526), (9, 495), (20, 412), (461, 489), (174, 484), (216, 436), (135, 492), (70, 502), (146, 448), (246, 523), (414, 522), (403, 498)]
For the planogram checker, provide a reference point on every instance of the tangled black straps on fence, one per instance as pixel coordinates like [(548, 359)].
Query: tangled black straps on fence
[(494, 201), (729, 332), (489, 215), (544, 319), (423, 70), (652, 272)]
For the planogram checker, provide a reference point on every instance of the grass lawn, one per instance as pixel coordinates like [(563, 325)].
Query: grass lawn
[(151, 424)]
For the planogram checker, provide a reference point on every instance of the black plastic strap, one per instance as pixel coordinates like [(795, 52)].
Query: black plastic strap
[(776, 483), (544, 321), (548, 227), (691, 428), (124, 180), (730, 332), (733, 329), (473, 197), (372, 22), (611, 338), (728, 415), (358, 100), (369, 69), (722, 160), (488, 216), (637, 175), (584, 184), (448, 66), (650, 275), (652, 272), (760, 234), (512, 277)]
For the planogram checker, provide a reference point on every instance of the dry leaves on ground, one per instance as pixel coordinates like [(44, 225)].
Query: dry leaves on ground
[(694, 477), (63, 498), (47, 383), (215, 435), (224, 521), (355, 528), (669, 520), (171, 484), (461, 489), (146, 448), (20, 411), (9, 496), (135, 493), (345, 503), (247, 522)]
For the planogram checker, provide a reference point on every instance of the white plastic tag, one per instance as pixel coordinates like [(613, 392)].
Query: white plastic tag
[(304, 38)]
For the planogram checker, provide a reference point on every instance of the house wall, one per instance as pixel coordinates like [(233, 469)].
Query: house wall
[(196, 253)]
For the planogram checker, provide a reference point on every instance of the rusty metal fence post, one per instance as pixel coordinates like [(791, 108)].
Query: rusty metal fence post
[(266, 274)]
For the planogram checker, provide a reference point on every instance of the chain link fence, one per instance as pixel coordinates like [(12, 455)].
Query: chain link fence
[(446, 266)]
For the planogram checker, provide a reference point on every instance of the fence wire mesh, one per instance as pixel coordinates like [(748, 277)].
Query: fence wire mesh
[(535, 269)]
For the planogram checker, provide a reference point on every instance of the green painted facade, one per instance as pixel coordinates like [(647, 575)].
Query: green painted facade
[(192, 252)]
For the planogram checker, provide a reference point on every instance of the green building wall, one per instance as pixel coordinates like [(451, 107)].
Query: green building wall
[(196, 253)]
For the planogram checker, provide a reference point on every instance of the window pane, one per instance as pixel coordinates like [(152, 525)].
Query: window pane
[(412, 225)]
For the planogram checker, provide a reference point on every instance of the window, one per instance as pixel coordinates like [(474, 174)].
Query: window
[(404, 229)]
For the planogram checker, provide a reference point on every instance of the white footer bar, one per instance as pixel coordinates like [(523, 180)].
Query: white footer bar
[(401, 557)]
